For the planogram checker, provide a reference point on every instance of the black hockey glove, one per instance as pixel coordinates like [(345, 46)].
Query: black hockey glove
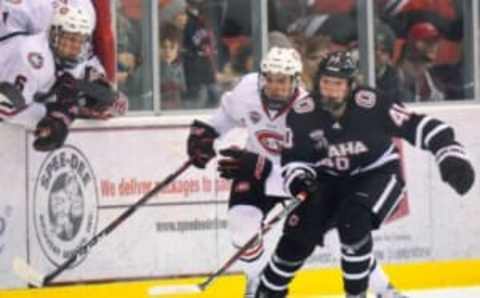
[(65, 89), (242, 164), (455, 168), (51, 132), (11, 98), (200, 143), (97, 94), (299, 178)]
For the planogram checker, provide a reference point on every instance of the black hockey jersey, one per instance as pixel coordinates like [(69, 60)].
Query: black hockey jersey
[(361, 140)]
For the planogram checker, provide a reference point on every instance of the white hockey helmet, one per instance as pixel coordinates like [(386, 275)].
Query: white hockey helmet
[(73, 20), (282, 61)]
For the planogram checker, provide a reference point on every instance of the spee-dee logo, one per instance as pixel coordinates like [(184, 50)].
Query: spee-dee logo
[(65, 204)]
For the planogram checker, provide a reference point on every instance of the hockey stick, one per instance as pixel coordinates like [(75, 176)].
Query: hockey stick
[(33, 277), (198, 288)]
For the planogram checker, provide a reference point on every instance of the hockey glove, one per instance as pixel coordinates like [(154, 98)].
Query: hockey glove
[(200, 143), (299, 178), (52, 130), (97, 94), (242, 164), (11, 100), (455, 168), (65, 89)]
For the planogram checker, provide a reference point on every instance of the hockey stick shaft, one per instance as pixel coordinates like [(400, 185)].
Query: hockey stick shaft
[(114, 224), (266, 227)]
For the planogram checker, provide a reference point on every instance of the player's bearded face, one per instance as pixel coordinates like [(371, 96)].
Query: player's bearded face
[(334, 91), (70, 45)]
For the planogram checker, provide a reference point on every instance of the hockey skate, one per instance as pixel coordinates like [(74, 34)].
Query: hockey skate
[(391, 293)]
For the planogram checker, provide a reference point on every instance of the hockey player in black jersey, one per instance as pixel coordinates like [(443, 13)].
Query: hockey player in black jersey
[(342, 142)]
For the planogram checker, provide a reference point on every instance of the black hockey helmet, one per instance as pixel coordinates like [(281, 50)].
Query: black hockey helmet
[(338, 64)]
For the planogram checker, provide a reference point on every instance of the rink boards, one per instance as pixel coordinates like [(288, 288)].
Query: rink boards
[(182, 231)]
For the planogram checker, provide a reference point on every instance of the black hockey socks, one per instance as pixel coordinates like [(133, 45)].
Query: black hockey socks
[(285, 262), (354, 226), (279, 272), (355, 263)]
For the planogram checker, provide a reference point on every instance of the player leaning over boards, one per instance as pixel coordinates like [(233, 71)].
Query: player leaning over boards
[(29, 76), (32, 17), (259, 103), (95, 67), (342, 141)]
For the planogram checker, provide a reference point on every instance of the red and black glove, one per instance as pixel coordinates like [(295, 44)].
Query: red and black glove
[(242, 164), (52, 131), (94, 98), (200, 143)]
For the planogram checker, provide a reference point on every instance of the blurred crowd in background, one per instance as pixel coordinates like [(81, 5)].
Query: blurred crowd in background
[(205, 46)]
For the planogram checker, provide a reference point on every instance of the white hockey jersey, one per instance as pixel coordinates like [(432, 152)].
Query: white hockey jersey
[(90, 69), (34, 16), (266, 129), (27, 62)]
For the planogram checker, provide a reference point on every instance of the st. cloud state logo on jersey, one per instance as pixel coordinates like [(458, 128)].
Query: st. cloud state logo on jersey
[(65, 204), (35, 59), (272, 141)]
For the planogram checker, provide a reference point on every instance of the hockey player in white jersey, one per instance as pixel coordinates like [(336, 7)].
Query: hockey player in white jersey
[(259, 103), (32, 17), (28, 17), (28, 72)]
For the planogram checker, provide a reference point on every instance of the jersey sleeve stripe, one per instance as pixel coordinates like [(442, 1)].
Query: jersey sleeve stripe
[(289, 168), (419, 132), (387, 157), (449, 151), (434, 133)]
